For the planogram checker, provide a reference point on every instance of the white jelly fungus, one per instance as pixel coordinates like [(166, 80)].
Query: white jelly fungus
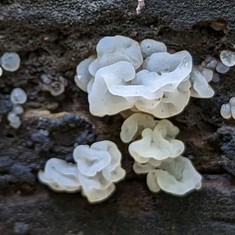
[(150, 46), (227, 110), (14, 119), (227, 58), (10, 61), (175, 176), (157, 144), (96, 169), (83, 77), (200, 78), (142, 77), (134, 125), (130, 77), (60, 176), (221, 68), (55, 85), (18, 96), (114, 49)]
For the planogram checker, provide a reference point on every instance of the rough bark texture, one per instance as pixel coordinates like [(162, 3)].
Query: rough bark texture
[(51, 37)]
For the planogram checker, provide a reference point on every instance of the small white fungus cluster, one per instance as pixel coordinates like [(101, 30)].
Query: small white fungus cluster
[(95, 171), (18, 97), (222, 66), (144, 77), (9, 61), (158, 154), (228, 110), (227, 57), (55, 85)]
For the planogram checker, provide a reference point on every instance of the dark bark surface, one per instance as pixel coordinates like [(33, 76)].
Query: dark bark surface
[(52, 37)]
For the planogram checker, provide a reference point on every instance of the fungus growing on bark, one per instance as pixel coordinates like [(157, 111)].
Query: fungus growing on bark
[(95, 171), (10, 61), (176, 176)]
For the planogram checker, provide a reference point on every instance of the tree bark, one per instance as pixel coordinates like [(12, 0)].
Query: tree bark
[(52, 37)]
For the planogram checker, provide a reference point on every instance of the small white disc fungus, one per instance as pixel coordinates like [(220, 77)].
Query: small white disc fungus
[(134, 125), (210, 63), (114, 49), (91, 160), (55, 85), (97, 188), (150, 46), (18, 109), (107, 81), (83, 77), (18, 96), (216, 77), (60, 176), (225, 111), (10, 61), (221, 68), (227, 58), (228, 110), (170, 104), (1, 71), (232, 106), (176, 176), (14, 120), (157, 144), (200, 77), (171, 68), (99, 166), (143, 168)]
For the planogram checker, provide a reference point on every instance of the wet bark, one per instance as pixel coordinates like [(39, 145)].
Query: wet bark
[(52, 37)]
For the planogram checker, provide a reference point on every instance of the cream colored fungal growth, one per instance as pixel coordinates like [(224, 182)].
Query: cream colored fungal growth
[(134, 125), (169, 104), (117, 87), (116, 81), (150, 46), (175, 176), (158, 144), (221, 68), (99, 167), (17, 97), (83, 77), (227, 58), (171, 68), (144, 168), (157, 154), (1, 72), (55, 85), (200, 78), (225, 111), (228, 110), (114, 49), (95, 171), (108, 83), (10, 61), (60, 176)]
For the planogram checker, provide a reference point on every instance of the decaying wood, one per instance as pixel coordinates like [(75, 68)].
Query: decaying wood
[(52, 37)]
